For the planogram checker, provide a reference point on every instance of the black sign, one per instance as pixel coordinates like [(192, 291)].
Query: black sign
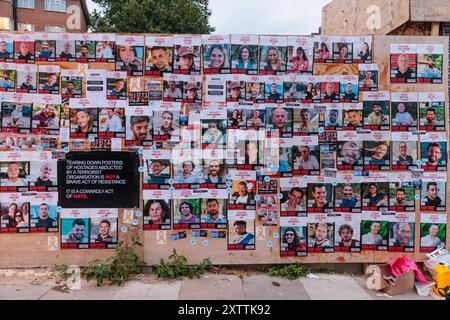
[(99, 180)]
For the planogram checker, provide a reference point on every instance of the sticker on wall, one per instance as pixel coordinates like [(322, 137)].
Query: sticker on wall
[(124, 229), (161, 237), (260, 233), (205, 243), (128, 216), (269, 244), (52, 244)]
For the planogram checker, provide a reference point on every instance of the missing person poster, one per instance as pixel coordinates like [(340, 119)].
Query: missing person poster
[(244, 54), (158, 169), (105, 45), (401, 232), (7, 77), (216, 54), (96, 180), (375, 191), (6, 47), (71, 84), (433, 151), (374, 230), (45, 46), (243, 190), (272, 55), (404, 111), (44, 215), (377, 154), (323, 49), (15, 213), (241, 230), (362, 49), (343, 50), (157, 209), (403, 63), (347, 232), (84, 48), (402, 192), (294, 238), (65, 48), (320, 194), (300, 54), (376, 110), (430, 63), (116, 85), (350, 151), (158, 55), (368, 77), (187, 54), (432, 111), (139, 131), (130, 54), (306, 156), (320, 230), (347, 193), (103, 228), (186, 209), (433, 192), (187, 168), (214, 169), (294, 197), (24, 51), (27, 78), (404, 151), (433, 231), (214, 209), (75, 226)]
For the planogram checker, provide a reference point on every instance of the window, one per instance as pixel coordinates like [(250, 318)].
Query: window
[(26, 27), (56, 5), (29, 4), (5, 23), (54, 29)]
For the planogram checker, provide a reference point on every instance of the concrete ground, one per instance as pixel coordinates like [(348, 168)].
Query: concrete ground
[(35, 285)]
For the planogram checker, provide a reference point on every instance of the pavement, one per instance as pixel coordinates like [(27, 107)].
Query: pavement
[(42, 285)]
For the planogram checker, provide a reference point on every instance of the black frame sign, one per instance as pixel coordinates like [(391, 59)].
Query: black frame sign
[(99, 180)]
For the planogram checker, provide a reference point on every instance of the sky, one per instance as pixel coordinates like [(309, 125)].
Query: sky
[(277, 17)]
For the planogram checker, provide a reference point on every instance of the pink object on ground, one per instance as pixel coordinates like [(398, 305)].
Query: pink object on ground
[(404, 264)]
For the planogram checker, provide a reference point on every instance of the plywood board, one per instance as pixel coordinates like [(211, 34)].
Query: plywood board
[(430, 10), (361, 17)]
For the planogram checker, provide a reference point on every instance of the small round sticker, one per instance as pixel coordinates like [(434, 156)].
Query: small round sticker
[(229, 190), (257, 198), (205, 242), (269, 244), (91, 138), (334, 183), (419, 162), (59, 209), (141, 151), (29, 178), (193, 242), (229, 184), (138, 213), (229, 176), (66, 149), (417, 197), (280, 196), (321, 130), (141, 169), (17, 149), (267, 179), (135, 222), (276, 235), (200, 174), (124, 229), (39, 148)]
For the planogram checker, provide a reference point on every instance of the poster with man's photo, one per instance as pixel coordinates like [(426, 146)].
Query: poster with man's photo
[(293, 236), (404, 111), (244, 54), (103, 229), (85, 48), (404, 151), (350, 151), (75, 228), (7, 77), (216, 54), (402, 192), (139, 126), (377, 151), (16, 117), (349, 89), (368, 77), (374, 230), (43, 175), (241, 230), (65, 47), (83, 119), (71, 84), (44, 216), (433, 193), (300, 54), (214, 169), (306, 156), (294, 197), (375, 192), (432, 113), (105, 45), (403, 63), (116, 85), (111, 118), (320, 229), (158, 55), (272, 55), (347, 193), (24, 50), (187, 168), (320, 194), (26, 78), (330, 89), (46, 115), (433, 231), (214, 209), (157, 209), (347, 232), (433, 151), (6, 47), (243, 190), (376, 110), (278, 157), (430, 63), (292, 89), (45, 46), (401, 232)]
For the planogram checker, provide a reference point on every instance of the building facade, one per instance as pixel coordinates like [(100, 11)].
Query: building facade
[(44, 15)]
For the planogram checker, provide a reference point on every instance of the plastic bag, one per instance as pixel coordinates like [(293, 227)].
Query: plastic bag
[(403, 264)]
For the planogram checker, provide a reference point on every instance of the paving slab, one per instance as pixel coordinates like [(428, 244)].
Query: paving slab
[(89, 292), (212, 287), (334, 287), (136, 290), (264, 287), (22, 292)]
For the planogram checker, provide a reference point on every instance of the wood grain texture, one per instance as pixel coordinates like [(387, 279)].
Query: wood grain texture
[(430, 10)]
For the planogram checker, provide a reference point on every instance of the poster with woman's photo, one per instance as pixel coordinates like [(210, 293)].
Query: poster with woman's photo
[(24, 51), (157, 209), (243, 190), (244, 54), (186, 209), (26, 78), (374, 230), (368, 77), (294, 238), (350, 151), (300, 54), (433, 151), (130, 54), (214, 128), (75, 227), (404, 151), (430, 63), (343, 50), (187, 54), (105, 46), (306, 156), (294, 192), (375, 192), (83, 119), (103, 229), (347, 193), (15, 213), (376, 110), (7, 77), (377, 154), (320, 229), (432, 111), (403, 64), (433, 231), (241, 230), (71, 84), (433, 193), (404, 111), (323, 49), (235, 89), (158, 55), (216, 54), (116, 85), (402, 232), (272, 55), (44, 216), (362, 49), (402, 192), (192, 89), (214, 209), (347, 232)]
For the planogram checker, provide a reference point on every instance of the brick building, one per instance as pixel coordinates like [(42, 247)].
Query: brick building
[(44, 15)]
